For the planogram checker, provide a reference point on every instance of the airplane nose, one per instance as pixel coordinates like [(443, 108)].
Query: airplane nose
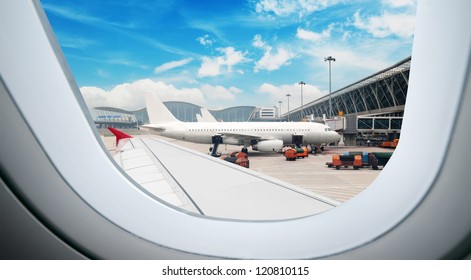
[(336, 137)]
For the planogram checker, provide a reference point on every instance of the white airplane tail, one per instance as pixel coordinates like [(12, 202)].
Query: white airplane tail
[(157, 111), (205, 116)]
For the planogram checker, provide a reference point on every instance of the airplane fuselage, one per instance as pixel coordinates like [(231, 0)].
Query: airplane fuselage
[(201, 132)]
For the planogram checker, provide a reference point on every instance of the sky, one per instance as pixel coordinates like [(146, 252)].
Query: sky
[(220, 54)]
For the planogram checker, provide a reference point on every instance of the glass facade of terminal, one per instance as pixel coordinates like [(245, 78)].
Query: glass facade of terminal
[(234, 114), (183, 111), (385, 90), (107, 116)]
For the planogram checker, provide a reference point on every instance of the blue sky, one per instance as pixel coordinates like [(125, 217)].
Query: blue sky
[(220, 54)]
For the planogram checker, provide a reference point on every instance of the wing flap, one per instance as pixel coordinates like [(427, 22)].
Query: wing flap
[(242, 138)]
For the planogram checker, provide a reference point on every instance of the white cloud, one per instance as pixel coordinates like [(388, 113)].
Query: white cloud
[(354, 59), (211, 66), (278, 93), (131, 95), (387, 24), (217, 92), (400, 3), (184, 77), (258, 42), (367, 57), (235, 90), (215, 66), (279, 8), (284, 8), (172, 64), (313, 36), (346, 35), (233, 57), (271, 60), (274, 60), (205, 40)]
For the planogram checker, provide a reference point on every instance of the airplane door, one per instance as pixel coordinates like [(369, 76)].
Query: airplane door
[(297, 140)]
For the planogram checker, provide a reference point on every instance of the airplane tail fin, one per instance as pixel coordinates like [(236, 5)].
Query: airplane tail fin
[(119, 134), (206, 116), (157, 111)]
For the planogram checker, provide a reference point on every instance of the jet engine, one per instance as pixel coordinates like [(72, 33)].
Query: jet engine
[(268, 146)]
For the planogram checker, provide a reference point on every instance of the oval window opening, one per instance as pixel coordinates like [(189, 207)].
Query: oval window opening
[(229, 134)]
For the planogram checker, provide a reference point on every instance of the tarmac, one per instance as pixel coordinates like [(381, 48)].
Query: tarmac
[(310, 173)]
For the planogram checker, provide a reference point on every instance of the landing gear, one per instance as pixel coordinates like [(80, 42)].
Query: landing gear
[(216, 139), (317, 148)]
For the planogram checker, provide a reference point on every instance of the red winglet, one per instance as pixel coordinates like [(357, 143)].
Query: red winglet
[(119, 134)]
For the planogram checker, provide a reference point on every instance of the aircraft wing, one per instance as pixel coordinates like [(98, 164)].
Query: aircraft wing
[(243, 138), (215, 188)]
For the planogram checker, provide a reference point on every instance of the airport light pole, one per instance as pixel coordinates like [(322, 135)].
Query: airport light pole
[(302, 104), (279, 113), (330, 59), (288, 95)]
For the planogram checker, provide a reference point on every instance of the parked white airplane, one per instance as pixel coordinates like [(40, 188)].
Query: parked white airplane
[(262, 136)]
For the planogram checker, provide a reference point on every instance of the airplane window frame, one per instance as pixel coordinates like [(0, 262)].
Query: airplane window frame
[(354, 225)]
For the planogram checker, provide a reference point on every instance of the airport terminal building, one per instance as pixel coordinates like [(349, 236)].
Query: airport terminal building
[(114, 117), (183, 111), (370, 109)]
